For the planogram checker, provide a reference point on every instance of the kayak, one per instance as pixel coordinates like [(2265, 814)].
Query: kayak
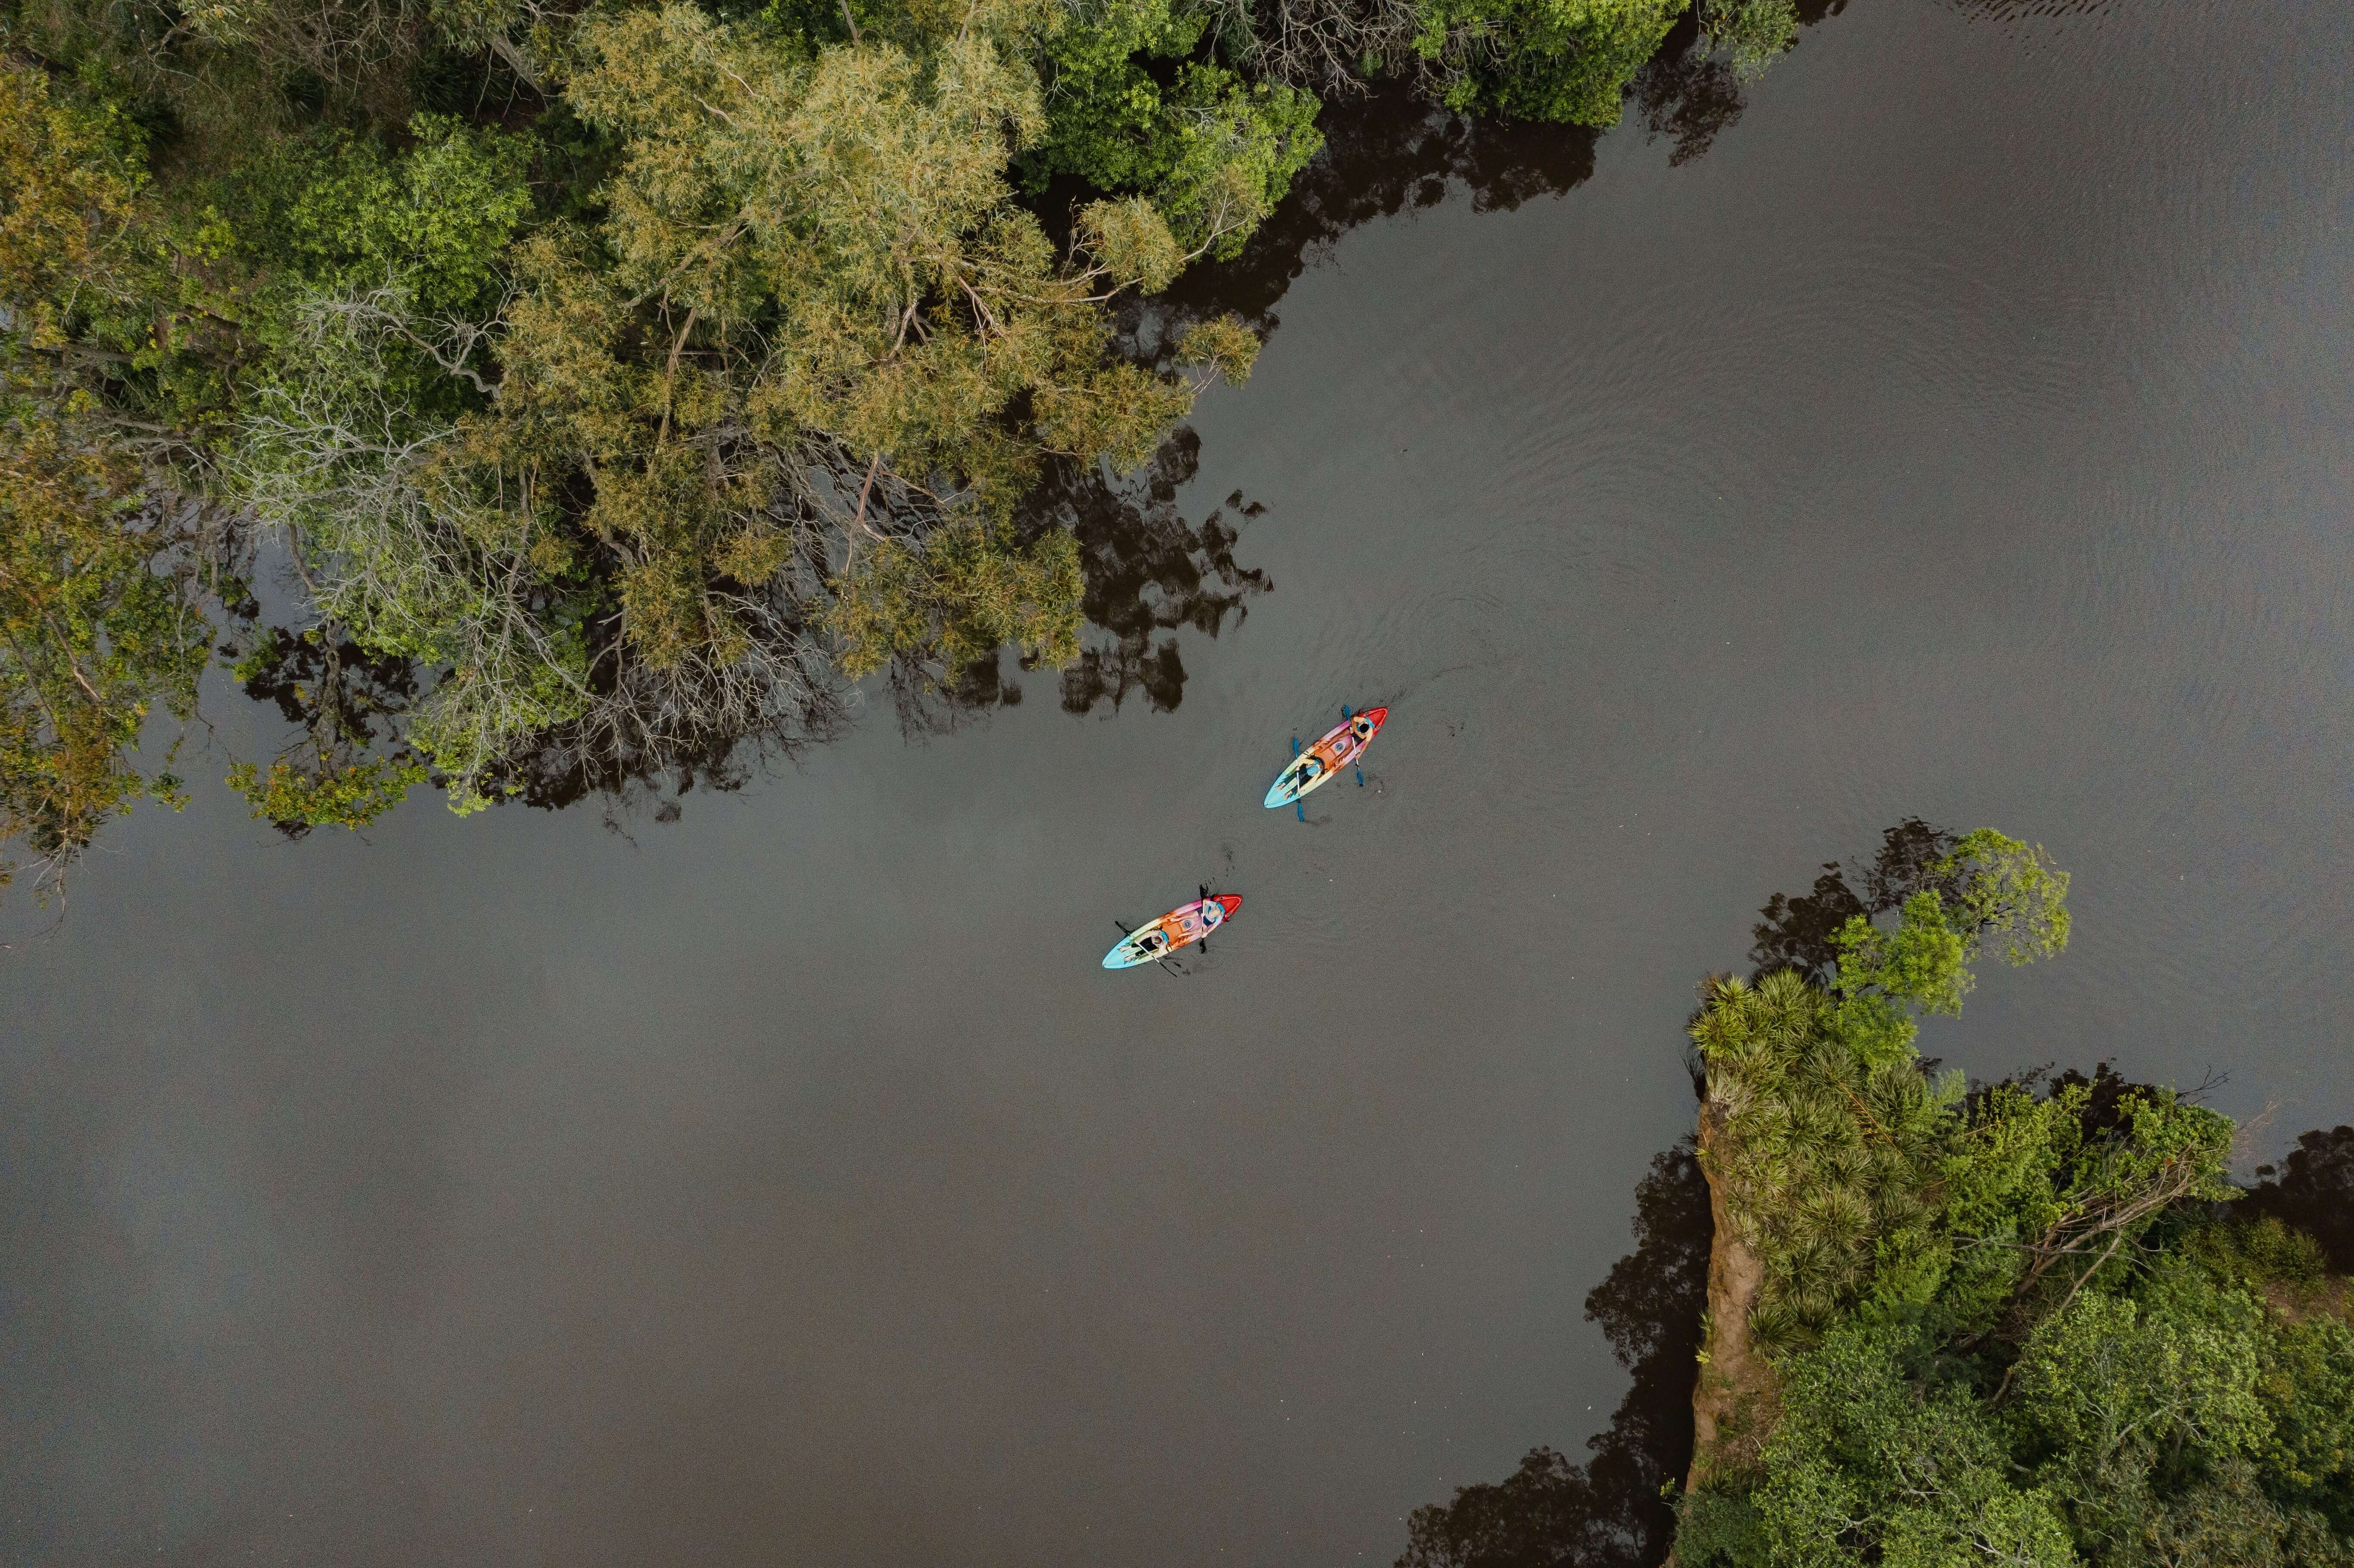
[(1340, 745), (1181, 928)]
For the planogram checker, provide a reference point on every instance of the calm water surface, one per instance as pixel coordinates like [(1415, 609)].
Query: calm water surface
[(1965, 434)]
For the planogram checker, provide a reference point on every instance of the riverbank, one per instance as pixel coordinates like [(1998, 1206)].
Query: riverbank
[(1732, 1396), (2082, 1345)]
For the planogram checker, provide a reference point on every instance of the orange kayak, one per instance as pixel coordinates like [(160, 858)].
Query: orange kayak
[(1340, 746), (1181, 928)]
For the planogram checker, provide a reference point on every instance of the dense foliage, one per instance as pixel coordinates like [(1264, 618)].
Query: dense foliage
[(1835, 1133), (2014, 1326), (614, 382), (2029, 1323), (2194, 1406)]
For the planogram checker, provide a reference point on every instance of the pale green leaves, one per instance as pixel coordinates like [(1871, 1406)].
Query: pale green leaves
[(829, 245), (1921, 961), (97, 628), (2014, 898), (2103, 1375), (350, 797), (1755, 32), (967, 592), (1223, 344), (1131, 240), (1991, 888)]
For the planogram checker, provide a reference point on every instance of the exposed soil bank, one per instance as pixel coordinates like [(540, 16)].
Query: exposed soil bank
[(1736, 1384)]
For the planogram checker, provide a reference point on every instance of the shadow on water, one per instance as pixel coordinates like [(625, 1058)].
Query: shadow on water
[(2312, 1189), (1796, 932), (326, 682), (1148, 573), (1609, 1511), (1385, 152), (1388, 151)]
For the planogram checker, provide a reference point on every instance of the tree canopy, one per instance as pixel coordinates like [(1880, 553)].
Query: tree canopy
[(2016, 1324), (2024, 1323), (636, 375)]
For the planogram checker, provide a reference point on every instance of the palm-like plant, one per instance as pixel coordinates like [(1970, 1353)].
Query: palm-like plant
[(1827, 1155)]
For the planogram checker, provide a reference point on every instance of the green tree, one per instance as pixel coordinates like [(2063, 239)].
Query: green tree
[(1991, 888), (1835, 1139), (1756, 33), (1213, 152), (2008, 1326), (1828, 1153), (1878, 1459), (771, 417), (1540, 60), (99, 628)]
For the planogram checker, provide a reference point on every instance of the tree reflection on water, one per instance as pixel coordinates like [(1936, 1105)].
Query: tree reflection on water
[(1795, 932), (1609, 1511), (1385, 153), (2312, 1189), (1149, 572)]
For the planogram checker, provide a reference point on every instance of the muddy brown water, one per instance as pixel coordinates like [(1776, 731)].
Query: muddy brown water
[(1963, 434)]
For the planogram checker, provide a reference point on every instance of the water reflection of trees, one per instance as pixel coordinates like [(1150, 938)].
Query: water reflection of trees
[(1795, 932), (1686, 94), (341, 700), (1149, 572), (1388, 151), (1385, 153), (1609, 1511), (2312, 1188)]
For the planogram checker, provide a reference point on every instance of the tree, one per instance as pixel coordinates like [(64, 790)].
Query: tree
[(98, 629), (1541, 59), (1827, 1153), (789, 392), (1755, 32), (1876, 1459), (2191, 1406), (2015, 1325), (1213, 152), (1989, 887)]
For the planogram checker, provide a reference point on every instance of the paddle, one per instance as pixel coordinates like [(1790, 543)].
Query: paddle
[(1299, 802)]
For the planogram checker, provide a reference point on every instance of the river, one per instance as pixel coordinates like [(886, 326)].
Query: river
[(773, 1176)]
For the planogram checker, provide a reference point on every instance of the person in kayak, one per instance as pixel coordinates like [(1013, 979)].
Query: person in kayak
[(1151, 942), (1310, 770)]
